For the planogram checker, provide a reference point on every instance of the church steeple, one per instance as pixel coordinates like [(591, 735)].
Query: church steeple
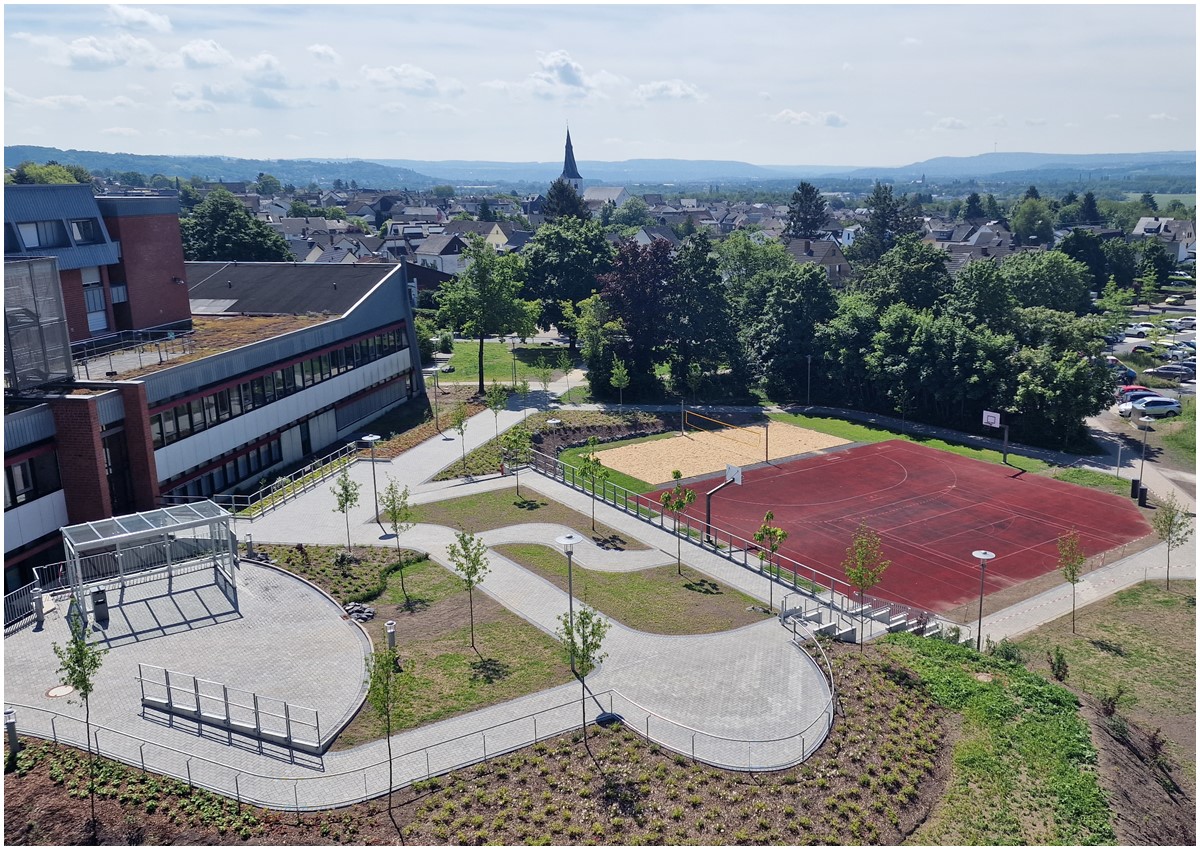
[(570, 171)]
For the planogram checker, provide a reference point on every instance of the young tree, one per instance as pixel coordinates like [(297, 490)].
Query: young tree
[(78, 663), (772, 537), (619, 379), (583, 640), (564, 366), (1070, 563), (497, 400), (523, 388), (545, 373), (1174, 527), (484, 299), (518, 447), (345, 491), (458, 421), (591, 466), (469, 557), (399, 514), (383, 695), (676, 502), (864, 566), (806, 211)]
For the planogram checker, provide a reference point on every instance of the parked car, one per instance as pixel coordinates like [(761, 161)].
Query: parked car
[(1173, 371), (1142, 348), (1140, 330), (1158, 407), (1187, 323), (1136, 396), (1129, 388), (1176, 300)]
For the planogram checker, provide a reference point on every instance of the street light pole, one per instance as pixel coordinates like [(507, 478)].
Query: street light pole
[(984, 556), (513, 349), (568, 541), (371, 439), (808, 392), (1145, 426)]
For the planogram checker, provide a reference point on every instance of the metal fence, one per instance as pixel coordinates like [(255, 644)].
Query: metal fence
[(286, 487), (333, 789), (18, 608), (835, 595), (234, 709)]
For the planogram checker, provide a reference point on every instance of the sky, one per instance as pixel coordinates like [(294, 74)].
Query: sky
[(845, 84)]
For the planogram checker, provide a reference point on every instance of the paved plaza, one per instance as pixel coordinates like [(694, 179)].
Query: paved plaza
[(711, 695)]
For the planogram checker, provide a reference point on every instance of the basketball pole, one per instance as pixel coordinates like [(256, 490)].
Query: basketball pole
[(767, 438), (682, 419)]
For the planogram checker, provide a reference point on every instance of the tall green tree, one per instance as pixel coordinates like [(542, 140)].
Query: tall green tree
[(400, 518), (1147, 200), (1154, 259), (1089, 213), (562, 201), (807, 211), (1032, 222), (973, 208), (1048, 279), (1031, 194), (345, 493), (1120, 262), (912, 272), (676, 501), (1070, 563), (638, 292), (468, 555), (980, 295), (78, 664), (599, 336), (1085, 247), (884, 223), (221, 228), (1174, 527), (267, 184), (51, 173), (583, 641), (633, 213), (485, 299), (991, 209), (564, 261), (864, 567), (1056, 390), (700, 327), (780, 315)]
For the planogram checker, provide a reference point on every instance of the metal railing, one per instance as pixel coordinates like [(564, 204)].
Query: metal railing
[(18, 608), (329, 790), (283, 489), (124, 341), (788, 572), (237, 710)]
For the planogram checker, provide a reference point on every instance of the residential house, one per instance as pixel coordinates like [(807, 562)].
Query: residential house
[(442, 252), (597, 196), (826, 253)]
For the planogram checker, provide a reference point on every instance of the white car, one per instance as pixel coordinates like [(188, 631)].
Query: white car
[(1126, 409), (1139, 330), (1151, 406), (1187, 323), (1137, 395)]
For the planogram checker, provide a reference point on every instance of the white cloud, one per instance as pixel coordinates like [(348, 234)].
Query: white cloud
[(193, 106), (274, 100), (265, 70), (662, 90), (559, 78), (122, 102), (94, 54), (292, 137), (204, 53), (827, 119), (54, 101), (764, 95), (241, 132), (445, 108), (324, 53), (411, 78), (997, 121), (1035, 122), (1162, 116), (1112, 116), (223, 93), (128, 16), (950, 123), (121, 131), (394, 107)]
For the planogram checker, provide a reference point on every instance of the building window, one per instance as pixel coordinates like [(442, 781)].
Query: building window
[(31, 479), (97, 315), (86, 231), (43, 234), (120, 293)]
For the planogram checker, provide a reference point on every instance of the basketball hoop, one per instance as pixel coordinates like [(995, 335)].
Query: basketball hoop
[(991, 419)]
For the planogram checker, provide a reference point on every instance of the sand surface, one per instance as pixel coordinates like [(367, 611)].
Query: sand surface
[(703, 452)]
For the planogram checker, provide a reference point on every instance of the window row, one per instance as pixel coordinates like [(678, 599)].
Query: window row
[(31, 479), (230, 473), (194, 416)]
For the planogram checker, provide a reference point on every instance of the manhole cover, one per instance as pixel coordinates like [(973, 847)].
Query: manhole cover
[(984, 677), (60, 691)]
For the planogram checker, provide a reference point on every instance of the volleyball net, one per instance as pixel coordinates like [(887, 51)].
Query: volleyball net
[(747, 437)]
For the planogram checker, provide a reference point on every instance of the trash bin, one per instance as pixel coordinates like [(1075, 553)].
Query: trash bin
[(100, 605)]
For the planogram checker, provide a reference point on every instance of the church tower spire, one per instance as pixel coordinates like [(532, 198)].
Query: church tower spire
[(570, 171)]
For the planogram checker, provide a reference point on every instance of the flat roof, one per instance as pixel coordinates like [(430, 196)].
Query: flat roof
[(142, 526), (282, 288), (210, 335)]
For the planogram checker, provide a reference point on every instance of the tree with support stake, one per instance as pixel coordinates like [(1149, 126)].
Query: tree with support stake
[(864, 566), (676, 502), (383, 695), (619, 380), (1070, 562), (345, 491), (497, 400), (772, 537), (469, 557), (399, 515), (1174, 527), (458, 421), (518, 448), (78, 663), (591, 466), (583, 640)]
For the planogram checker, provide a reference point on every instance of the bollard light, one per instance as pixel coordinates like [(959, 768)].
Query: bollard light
[(10, 728)]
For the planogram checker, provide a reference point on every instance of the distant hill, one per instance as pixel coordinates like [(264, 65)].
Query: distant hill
[(296, 171), (1046, 164), (625, 171)]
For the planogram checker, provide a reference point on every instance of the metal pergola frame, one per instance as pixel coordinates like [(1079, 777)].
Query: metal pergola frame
[(131, 530)]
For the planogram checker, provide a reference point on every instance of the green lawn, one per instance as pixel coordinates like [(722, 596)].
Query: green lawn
[(657, 600), (498, 362), (498, 508), (1179, 434), (1092, 478), (572, 457), (861, 432), (1162, 199)]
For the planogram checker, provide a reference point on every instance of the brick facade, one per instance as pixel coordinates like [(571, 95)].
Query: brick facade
[(139, 445), (151, 262), (81, 458)]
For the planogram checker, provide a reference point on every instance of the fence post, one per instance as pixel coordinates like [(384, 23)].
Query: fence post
[(535, 737), (694, 747), (189, 772), (428, 770), (237, 790), (53, 731), (142, 753), (484, 735), (287, 724), (296, 798)]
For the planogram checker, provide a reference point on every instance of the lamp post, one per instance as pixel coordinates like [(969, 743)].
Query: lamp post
[(567, 542), (434, 373), (371, 440), (1145, 423), (984, 556), (513, 348), (808, 391)]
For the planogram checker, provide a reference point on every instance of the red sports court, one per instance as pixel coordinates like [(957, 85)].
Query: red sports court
[(931, 509)]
